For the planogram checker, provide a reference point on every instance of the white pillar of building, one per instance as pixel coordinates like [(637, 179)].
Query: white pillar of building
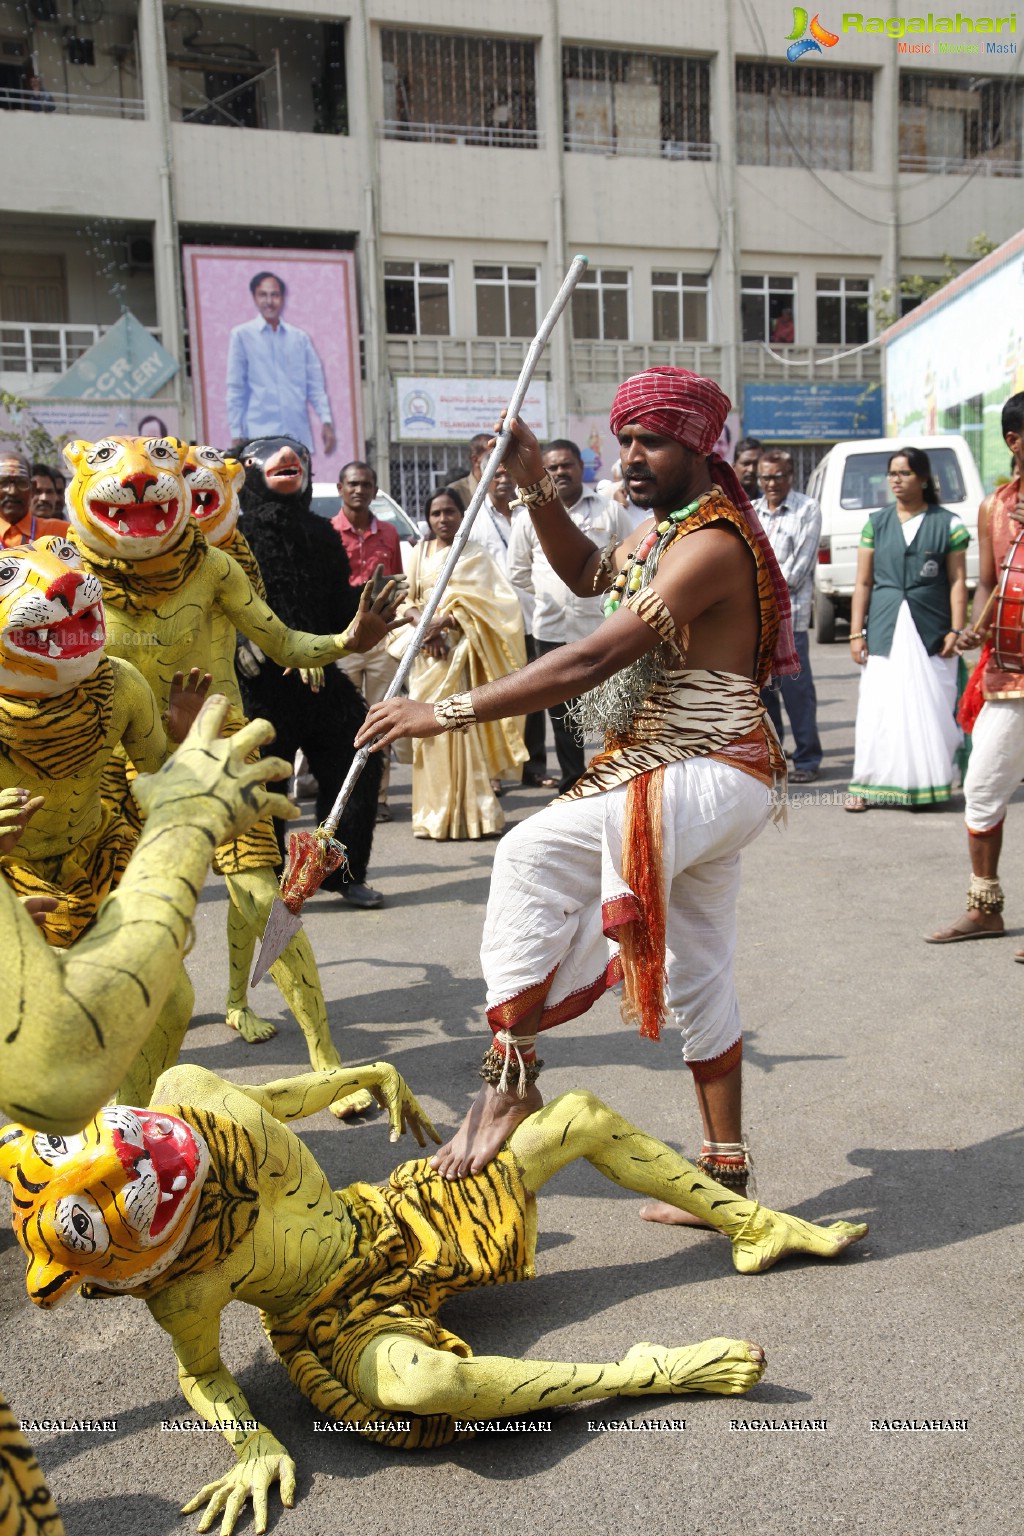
[(726, 277), (170, 311), (365, 110), (562, 396)]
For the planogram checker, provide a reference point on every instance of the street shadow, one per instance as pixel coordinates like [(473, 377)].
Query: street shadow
[(926, 1198), (121, 1514)]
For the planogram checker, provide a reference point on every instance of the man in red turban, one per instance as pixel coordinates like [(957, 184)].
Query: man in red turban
[(633, 874)]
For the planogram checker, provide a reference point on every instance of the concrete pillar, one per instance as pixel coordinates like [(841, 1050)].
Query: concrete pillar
[(726, 276), (170, 307), (365, 111)]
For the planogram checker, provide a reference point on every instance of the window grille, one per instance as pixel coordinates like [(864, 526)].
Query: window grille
[(615, 102), (814, 117), (843, 310), (417, 298), (442, 87), (506, 299), (767, 308), (601, 305), (958, 123), (680, 301)]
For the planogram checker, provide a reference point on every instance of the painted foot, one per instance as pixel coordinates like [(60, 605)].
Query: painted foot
[(490, 1122), (768, 1236), (972, 924), (250, 1026), (671, 1216), (725, 1367), (356, 1104)]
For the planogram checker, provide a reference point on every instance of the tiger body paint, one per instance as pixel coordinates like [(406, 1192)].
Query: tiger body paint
[(95, 1004), (174, 602), (64, 710), (349, 1282)]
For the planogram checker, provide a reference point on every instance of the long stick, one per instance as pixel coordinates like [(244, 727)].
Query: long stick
[(572, 277)]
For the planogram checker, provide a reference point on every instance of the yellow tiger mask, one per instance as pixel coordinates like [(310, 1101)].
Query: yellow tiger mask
[(127, 499), (112, 1206), (52, 627), (214, 482)]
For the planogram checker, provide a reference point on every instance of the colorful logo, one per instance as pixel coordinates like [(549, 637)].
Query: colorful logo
[(799, 44)]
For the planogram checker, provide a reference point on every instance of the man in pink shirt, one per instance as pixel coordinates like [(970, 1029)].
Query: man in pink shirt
[(368, 543)]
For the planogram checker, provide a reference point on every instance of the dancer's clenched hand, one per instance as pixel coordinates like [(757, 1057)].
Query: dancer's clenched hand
[(393, 720)]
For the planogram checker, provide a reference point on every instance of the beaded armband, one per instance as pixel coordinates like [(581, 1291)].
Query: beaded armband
[(537, 495), (455, 713)]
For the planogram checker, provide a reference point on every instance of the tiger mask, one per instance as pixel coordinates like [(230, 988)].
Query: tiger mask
[(112, 1206), (127, 499), (52, 627), (214, 482)]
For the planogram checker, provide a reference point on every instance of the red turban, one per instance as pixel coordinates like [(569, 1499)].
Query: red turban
[(692, 410)]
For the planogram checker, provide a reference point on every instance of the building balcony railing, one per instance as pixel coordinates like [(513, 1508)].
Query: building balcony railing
[(814, 363), (492, 137), (460, 357), (609, 362), (33, 349), (653, 149), (943, 165), (47, 102)]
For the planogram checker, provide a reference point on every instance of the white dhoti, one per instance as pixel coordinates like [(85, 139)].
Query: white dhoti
[(557, 898), (997, 763), (906, 734)]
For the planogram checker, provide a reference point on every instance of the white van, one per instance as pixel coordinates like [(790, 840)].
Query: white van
[(850, 483)]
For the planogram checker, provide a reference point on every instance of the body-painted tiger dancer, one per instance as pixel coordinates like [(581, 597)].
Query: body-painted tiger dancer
[(209, 1197)]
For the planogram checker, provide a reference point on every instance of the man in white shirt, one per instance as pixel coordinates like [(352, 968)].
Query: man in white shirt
[(559, 616), (274, 374)]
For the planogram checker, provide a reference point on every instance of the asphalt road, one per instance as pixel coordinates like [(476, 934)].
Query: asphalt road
[(882, 1081)]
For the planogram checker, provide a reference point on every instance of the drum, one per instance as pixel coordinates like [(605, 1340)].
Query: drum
[(1007, 629)]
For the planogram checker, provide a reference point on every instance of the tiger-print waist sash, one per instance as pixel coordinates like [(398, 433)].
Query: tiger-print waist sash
[(60, 735)]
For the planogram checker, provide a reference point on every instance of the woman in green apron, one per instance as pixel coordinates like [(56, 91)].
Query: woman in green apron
[(909, 605)]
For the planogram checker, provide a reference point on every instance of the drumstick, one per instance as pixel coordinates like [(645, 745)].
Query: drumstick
[(977, 623)]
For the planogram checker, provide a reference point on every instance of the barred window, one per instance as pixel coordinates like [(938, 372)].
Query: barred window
[(446, 88), (600, 305), (680, 302), (418, 298), (615, 102), (813, 117), (843, 310), (506, 299), (767, 307), (957, 123)]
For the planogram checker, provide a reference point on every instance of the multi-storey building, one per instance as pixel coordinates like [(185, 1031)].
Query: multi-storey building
[(742, 214)]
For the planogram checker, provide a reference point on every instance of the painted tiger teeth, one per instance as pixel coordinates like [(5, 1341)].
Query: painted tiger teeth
[(161, 526), (179, 1183), (54, 648), (122, 526)]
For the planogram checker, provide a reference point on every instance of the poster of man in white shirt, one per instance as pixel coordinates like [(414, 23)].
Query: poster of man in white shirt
[(274, 340)]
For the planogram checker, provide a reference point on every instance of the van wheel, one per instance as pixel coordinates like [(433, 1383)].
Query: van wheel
[(824, 619)]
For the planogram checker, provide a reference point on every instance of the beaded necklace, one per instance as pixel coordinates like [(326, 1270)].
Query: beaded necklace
[(645, 559)]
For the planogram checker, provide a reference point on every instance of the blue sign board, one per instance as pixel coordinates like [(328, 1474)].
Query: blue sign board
[(127, 363), (812, 413)]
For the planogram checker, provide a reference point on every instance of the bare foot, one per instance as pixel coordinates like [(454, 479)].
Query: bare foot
[(768, 1236), (972, 924), (492, 1118), (672, 1216), (355, 1104), (723, 1366), (249, 1025)]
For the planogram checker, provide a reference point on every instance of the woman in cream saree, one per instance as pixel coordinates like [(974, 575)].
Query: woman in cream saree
[(475, 637)]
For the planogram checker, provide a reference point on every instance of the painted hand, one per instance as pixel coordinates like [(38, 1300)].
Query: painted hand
[(311, 677), (17, 807), (394, 719), (375, 616), (397, 1099), (249, 659), (209, 783), (185, 700), (262, 1461), (37, 908)]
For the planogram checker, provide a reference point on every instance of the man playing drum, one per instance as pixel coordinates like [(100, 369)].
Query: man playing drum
[(997, 757)]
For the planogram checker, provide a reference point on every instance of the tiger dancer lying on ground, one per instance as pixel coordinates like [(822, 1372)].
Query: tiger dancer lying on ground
[(91, 1008), (207, 1197), (164, 590)]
